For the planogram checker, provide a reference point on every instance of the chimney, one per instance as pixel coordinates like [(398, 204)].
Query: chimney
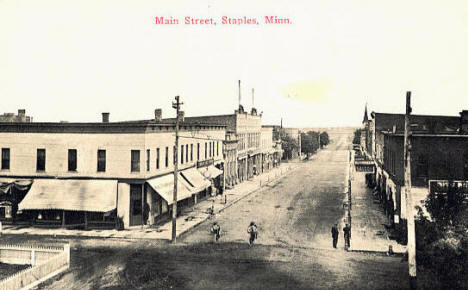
[(158, 115), (105, 117)]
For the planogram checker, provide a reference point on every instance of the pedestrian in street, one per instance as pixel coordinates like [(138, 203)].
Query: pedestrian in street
[(347, 236), (252, 231), (216, 231), (335, 234)]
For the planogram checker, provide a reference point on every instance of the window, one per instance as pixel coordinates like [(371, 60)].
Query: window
[(211, 145), (217, 148), (135, 161), (166, 161), (206, 150), (191, 152), (71, 159), (5, 158), (198, 151), (422, 166), (148, 159), (41, 160), (101, 160), (157, 158), (181, 154), (186, 153)]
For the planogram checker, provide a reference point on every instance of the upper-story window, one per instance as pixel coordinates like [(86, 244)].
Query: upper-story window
[(157, 158), (41, 160), (465, 164), (198, 151), (72, 159), (148, 159), (181, 154), (101, 160), (191, 152), (186, 153), (135, 161), (206, 150), (5, 158), (166, 161), (422, 166), (217, 148)]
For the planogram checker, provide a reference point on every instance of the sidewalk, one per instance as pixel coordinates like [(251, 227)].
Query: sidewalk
[(367, 220), (186, 221)]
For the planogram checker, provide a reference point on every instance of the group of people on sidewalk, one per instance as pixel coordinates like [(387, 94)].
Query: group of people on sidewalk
[(346, 234), (251, 230)]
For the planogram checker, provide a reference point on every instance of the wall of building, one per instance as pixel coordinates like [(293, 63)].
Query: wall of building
[(23, 152)]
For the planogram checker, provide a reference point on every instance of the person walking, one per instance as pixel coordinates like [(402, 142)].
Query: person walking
[(347, 236), (335, 234), (252, 231), (216, 231)]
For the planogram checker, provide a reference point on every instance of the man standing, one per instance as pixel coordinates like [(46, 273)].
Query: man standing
[(335, 234), (216, 231), (347, 236), (252, 231)]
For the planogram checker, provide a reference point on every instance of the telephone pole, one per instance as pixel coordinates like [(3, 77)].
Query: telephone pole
[(176, 105), (409, 202)]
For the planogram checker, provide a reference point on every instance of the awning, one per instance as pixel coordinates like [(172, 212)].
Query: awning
[(196, 179), (164, 186), (66, 194), (210, 172)]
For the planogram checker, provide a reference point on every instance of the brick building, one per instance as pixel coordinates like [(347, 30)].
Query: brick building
[(86, 173)]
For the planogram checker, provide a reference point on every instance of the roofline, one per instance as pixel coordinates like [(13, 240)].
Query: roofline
[(397, 114)]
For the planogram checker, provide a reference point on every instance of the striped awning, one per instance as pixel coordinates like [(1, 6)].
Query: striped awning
[(68, 194)]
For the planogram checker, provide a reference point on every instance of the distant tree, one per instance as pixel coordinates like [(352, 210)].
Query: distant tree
[(324, 140), (309, 142), (289, 145), (357, 136)]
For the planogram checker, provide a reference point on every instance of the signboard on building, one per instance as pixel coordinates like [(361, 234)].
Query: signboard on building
[(204, 163)]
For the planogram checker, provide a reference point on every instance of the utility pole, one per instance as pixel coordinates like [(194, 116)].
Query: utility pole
[(176, 105), (409, 202)]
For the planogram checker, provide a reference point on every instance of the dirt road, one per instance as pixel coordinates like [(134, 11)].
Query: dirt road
[(293, 251)]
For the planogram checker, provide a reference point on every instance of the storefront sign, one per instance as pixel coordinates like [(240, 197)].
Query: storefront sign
[(205, 163)]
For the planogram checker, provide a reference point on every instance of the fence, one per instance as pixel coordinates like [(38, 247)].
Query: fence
[(45, 262)]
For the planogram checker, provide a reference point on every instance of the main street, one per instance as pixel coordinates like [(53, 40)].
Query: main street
[(294, 248)]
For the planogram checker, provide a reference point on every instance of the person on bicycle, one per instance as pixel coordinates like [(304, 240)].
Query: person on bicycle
[(252, 231), (216, 230)]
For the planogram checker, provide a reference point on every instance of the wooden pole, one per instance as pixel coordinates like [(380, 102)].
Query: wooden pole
[(176, 105), (409, 202)]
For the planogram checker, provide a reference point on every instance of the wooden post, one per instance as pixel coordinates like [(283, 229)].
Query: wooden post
[(409, 202), (143, 205), (176, 105)]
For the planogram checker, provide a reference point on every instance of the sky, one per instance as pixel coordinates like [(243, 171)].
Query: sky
[(71, 60)]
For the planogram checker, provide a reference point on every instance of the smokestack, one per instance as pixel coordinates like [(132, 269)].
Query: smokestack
[(105, 117), (158, 115), (239, 94), (253, 104)]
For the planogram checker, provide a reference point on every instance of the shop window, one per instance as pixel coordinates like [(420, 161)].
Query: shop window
[(5, 158), (72, 159), (101, 160), (135, 161), (41, 160)]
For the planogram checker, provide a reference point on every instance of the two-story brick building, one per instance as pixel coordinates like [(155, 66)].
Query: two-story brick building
[(103, 172), (439, 151)]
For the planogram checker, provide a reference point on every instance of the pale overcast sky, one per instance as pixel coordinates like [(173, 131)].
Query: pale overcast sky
[(72, 60)]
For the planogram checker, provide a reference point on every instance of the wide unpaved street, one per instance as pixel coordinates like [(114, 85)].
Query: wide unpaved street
[(293, 250)]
